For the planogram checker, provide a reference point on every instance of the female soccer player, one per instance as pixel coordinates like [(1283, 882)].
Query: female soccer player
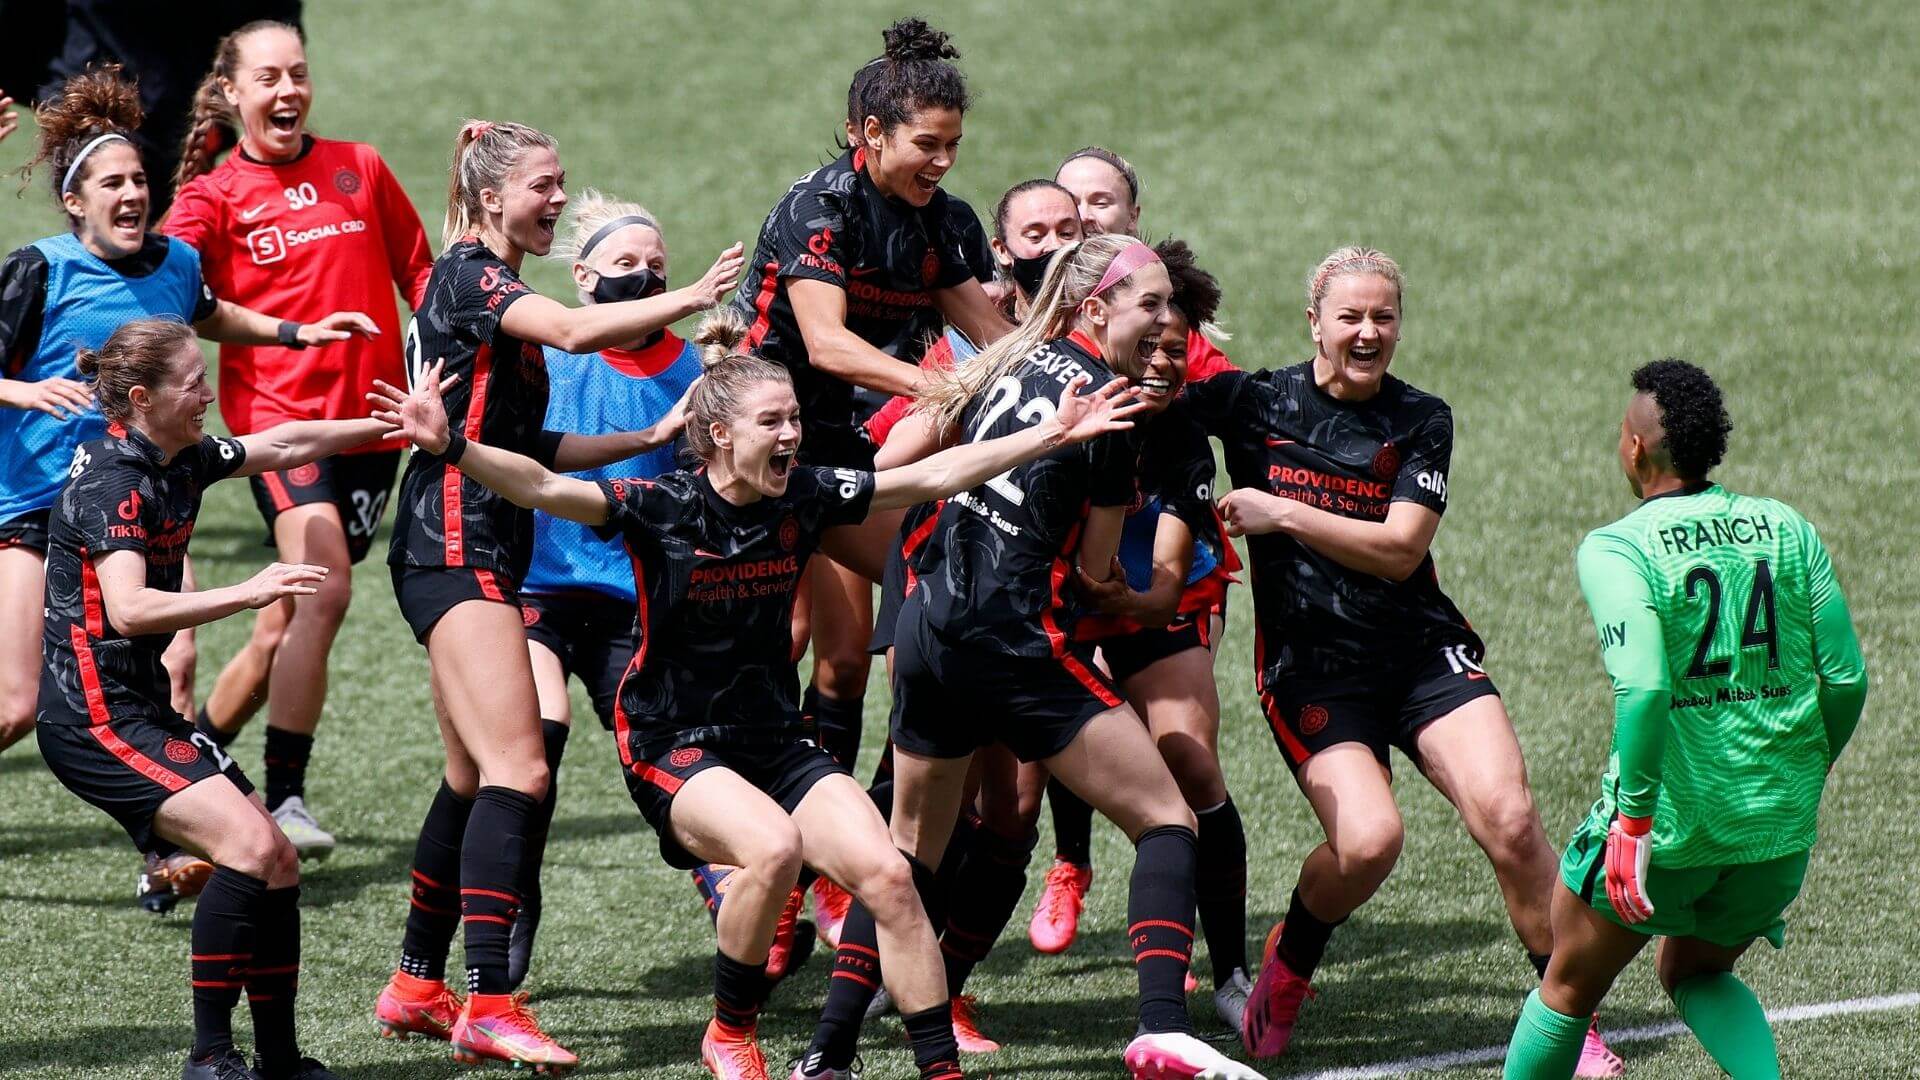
[(578, 597), (116, 546), (459, 552), (1161, 619), (1340, 472), (984, 649), (710, 736), (1107, 191), (1737, 681), (852, 265), (299, 225)]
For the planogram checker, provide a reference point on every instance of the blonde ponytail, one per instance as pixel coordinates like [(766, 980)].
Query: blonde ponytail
[(483, 154)]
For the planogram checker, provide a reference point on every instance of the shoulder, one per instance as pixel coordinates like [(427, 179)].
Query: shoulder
[(1617, 539), (24, 263), (1414, 402)]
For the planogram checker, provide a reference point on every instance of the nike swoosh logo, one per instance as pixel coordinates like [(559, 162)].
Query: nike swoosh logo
[(864, 271), (705, 554), (1280, 442), (249, 215)]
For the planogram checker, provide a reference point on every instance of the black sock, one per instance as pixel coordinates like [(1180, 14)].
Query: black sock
[(936, 889), (739, 990), (984, 894), (837, 722), (1072, 824), (274, 980), (855, 979), (1303, 939), (204, 725), (286, 761), (434, 913), (223, 934), (540, 825), (1539, 962), (1220, 887), (934, 1049), (1160, 924), (490, 860)]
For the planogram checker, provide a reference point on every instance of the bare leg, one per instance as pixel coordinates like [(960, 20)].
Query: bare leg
[(23, 589)]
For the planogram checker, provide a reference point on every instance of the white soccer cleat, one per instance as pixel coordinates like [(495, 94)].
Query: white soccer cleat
[(308, 838), (1230, 1001), (1175, 1055)]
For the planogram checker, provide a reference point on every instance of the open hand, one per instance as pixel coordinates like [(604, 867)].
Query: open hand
[(420, 414), (281, 580), (338, 326), (1080, 417), (719, 279), (57, 397), (9, 120)]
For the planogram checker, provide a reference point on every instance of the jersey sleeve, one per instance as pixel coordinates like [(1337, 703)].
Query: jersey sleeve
[(23, 300), (967, 255), (1836, 649), (1425, 460), (107, 505), (809, 241), (1115, 475), (1184, 460), (202, 303), (840, 496), (482, 290), (219, 458), (409, 259), (194, 218), (1212, 402), (1633, 650)]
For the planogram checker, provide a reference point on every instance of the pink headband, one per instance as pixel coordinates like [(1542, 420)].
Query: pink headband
[(1131, 258)]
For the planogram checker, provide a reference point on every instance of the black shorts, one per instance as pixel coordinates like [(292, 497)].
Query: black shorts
[(356, 484), (129, 767), (1128, 655), (29, 530), (950, 699), (426, 593), (893, 595), (1382, 706), (785, 772), (592, 634)]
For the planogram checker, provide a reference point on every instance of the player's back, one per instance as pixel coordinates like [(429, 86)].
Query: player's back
[(1730, 578)]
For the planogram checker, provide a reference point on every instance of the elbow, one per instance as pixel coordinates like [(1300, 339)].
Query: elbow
[(127, 623), (1399, 566), (570, 339)]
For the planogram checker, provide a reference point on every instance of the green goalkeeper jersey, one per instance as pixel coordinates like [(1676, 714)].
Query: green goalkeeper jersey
[(1737, 677)]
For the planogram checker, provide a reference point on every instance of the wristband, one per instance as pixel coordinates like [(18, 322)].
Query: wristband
[(456, 448), (1636, 826), (290, 334)]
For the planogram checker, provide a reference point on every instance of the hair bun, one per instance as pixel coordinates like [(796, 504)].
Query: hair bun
[(88, 362), (912, 39), (719, 336)]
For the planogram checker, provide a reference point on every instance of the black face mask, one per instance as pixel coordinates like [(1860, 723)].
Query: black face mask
[(633, 285), (1028, 273)]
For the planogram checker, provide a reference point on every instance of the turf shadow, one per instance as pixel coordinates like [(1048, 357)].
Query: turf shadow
[(47, 839), (97, 1046)]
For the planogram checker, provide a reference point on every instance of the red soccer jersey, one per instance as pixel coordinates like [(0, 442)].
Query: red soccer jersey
[(1204, 358), (329, 231)]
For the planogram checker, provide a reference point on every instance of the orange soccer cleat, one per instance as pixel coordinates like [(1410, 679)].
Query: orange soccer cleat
[(830, 904), (966, 1027), (414, 1006), (1056, 919), (732, 1053)]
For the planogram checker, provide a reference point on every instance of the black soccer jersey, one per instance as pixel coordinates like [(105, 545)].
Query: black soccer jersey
[(119, 497), (834, 226), (1176, 468), (716, 584), (1286, 436), (443, 518), (995, 566)]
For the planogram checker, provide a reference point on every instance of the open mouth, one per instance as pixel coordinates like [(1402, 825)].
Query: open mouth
[(781, 464), (546, 224), (200, 418), (1156, 386), (927, 182), (1364, 355), (285, 121), (128, 221)]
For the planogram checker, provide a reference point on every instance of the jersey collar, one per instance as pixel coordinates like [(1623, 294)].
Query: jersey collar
[(1086, 345), (648, 362), (306, 147), (135, 438), (1696, 488)]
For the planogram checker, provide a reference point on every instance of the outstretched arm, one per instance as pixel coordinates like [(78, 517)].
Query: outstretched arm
[(1078, 419), (573, 451), (136, 610), (421, 419), (297, 442), (594, 327), (236, 325)]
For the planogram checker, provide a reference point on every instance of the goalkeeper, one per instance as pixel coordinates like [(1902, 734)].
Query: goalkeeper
[(1737, 681)]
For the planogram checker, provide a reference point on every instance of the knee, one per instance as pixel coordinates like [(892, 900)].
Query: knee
[(284, 872), (328, 605), (1675, 968), (1196, 771), (260, 850), (530, 778), (1368, 853), (1511, 830), (841, 677), (269, 630), (776, 855), (886, 889), (16, 719)]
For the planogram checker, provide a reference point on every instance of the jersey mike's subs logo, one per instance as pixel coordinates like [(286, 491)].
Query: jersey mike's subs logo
[(270, 244)]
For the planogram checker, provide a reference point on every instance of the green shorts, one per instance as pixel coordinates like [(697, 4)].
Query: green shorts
[(1725, 905)]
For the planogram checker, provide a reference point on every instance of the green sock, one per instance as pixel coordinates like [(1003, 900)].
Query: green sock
[(1729, 1022), (1546, 1045)]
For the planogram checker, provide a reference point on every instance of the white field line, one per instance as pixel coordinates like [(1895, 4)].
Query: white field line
[(1486, 1054)]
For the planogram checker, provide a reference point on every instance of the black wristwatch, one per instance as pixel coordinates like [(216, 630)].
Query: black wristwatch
[(290, 334)]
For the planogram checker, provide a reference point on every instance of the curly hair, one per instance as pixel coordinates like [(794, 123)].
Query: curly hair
[(1692, 414), (99, 101), (912, 74), (1196, 293)]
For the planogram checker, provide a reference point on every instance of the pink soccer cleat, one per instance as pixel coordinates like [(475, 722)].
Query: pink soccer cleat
[(731, 1053), (1174, 1055), (500, 1027), (830, 904), (414, 1006), (966, 1027), (1056, 919), (1595, 1059), (1274, 1004)]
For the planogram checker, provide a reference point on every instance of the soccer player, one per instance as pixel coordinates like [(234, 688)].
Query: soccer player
[(1160, 621), (578, 598), (984, 649), (116, 545), (1340, 476), (1737, 680), (852, 265), (716, 754), (70, 291), (458, 554), (1106, 190), (299, 225)]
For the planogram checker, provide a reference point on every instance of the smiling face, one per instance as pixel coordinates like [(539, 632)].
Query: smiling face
[(173, 414), (758, 445), (270, 91), (528, 203), (109, 199), (1129, 318), (909, 161), (621, 253), (1105, 202), (1039, 222), (1356, 328), (1166, 369)]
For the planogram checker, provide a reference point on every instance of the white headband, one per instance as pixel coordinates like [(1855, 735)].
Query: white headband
[(92, 145)]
